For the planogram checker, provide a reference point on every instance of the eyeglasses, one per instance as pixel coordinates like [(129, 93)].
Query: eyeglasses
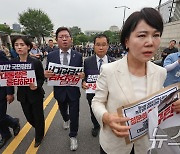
[(64, 37), (101, 45)]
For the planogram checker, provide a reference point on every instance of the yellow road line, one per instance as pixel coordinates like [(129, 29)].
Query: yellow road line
[(17, 140), (49, 119), (48, 99)]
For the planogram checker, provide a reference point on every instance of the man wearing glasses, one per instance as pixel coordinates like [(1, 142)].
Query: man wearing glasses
[(92, 67), (66, 96)]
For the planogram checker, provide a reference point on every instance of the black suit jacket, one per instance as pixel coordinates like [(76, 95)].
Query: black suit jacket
[(61, 92), (24, 92), (5, 90), (91, 68)]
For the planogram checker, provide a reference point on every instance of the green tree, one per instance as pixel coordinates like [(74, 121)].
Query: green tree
[(114, 37), (75, 30), (5, 28), (80, 38), (36, 23), (91, 37)]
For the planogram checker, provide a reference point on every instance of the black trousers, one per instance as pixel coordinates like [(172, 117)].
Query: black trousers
[(69, 110), (35, 116), (6, 121), (103, 152), (93, 118)]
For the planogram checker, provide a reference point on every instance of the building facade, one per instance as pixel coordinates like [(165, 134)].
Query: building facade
[(114, 28), (170, 12), (92, 32)]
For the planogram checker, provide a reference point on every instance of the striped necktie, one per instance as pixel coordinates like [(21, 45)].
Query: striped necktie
[(65, 59), (100, 63)]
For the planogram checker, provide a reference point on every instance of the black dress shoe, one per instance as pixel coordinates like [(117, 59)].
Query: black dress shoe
[(37, 143), (16, 128), (4, 140), (95, 132)]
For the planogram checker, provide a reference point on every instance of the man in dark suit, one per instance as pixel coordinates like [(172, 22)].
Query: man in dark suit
[(67, 96), (6, 121), (51, 47), (92, 66)]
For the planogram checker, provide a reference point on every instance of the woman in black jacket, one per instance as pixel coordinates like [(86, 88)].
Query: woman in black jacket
[(31, 97)]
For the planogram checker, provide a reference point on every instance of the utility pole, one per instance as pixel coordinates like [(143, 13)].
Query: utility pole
[(125, 7), (159, 5)]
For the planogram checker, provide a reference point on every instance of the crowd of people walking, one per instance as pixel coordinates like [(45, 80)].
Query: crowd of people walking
[(123, 81)]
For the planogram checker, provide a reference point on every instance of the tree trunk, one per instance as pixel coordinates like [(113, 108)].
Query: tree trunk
[(39, 41)]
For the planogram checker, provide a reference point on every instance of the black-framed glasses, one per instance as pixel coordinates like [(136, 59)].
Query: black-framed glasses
[(64, 37)]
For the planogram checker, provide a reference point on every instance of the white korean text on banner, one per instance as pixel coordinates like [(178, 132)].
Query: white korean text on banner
[(91, 83), (17, 74), (138, 112), (64, 75)]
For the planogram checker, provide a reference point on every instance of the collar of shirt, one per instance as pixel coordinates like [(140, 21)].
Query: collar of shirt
[(61, 51), (62, 55), (105, 59)]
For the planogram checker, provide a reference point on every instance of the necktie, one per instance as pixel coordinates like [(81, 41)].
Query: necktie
[(100, 63), (65, 60)]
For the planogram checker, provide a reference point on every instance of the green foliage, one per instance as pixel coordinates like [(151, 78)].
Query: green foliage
[(114, 37), (75, 30), (80, 38), (91, 38), (36, 23), (5, 28)]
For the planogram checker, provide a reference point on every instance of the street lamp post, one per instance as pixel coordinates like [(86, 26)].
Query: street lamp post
[(125, 7), (159, 5)]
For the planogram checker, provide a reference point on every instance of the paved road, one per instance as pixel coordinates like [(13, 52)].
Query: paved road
[(56, 139)]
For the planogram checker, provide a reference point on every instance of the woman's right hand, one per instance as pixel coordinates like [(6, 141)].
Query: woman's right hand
[(48, 74), (116, 124)]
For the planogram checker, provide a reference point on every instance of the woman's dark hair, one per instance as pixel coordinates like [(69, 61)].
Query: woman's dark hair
[(151, 16), (25, 39), (62, 29)]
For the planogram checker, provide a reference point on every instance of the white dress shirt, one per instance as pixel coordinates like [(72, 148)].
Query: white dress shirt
[(62, 56), (105, 60)]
